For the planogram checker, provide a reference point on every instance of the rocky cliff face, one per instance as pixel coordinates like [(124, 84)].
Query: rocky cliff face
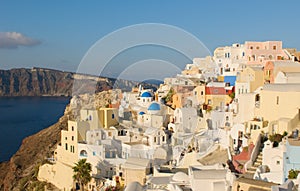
[(35, 82), (47, 82)]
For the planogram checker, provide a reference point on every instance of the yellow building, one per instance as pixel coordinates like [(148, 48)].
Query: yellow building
[(66, 155), (108, 117), (249, 79), (246, 184), (191, 69), (199, 93), (217, 94), (177, 100), (279, 104)]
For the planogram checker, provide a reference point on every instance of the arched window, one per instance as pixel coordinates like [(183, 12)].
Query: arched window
[(271, 57), (83, 153)]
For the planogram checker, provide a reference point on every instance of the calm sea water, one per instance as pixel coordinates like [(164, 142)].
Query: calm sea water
[(24, 116)]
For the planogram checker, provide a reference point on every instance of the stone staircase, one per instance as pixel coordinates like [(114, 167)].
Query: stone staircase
[(251, 171)]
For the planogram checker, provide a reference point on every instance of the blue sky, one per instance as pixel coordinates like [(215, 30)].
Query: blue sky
[(57, 34)]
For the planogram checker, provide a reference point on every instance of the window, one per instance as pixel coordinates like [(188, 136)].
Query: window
[(274, 47), (270, 57), (257, 97), (209, 101), (112, 116), (72, 128), (66, 146), (72, 149), (251, 47), (94, 153), (278, 162), (66, 138), (90, 118), (72, 138), (201, 92), (195, 93), (163, 138), (257, 47), (83, 153), (277, 100), (154, 139)]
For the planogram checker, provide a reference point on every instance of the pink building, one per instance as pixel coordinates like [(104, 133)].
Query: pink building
[(260, 52)]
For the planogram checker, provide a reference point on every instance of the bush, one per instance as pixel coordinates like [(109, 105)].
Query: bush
[(232, 95), (276, 138), (170, 95), (293, 174)]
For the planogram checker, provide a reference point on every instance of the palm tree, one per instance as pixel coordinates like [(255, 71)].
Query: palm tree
[(82, 173)]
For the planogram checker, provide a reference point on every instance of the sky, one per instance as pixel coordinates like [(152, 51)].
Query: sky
[(58, 34)]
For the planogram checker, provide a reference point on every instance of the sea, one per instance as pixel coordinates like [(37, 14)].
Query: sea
[(21, 117)]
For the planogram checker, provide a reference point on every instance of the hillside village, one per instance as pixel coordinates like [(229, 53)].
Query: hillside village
[(227, 122)]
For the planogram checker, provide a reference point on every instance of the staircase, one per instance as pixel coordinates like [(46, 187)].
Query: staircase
[(251, 171)]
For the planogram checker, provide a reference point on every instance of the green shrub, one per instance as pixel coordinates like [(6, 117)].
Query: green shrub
[(293, 174)]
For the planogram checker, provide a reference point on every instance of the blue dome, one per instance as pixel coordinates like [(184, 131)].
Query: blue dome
[(146, 94), (141, 113), (154, 106)]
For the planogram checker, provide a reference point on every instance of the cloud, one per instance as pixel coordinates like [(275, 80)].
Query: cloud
[(13, 40)]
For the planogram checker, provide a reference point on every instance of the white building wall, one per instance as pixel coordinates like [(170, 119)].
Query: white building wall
[(245, 107), (242, 88)]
